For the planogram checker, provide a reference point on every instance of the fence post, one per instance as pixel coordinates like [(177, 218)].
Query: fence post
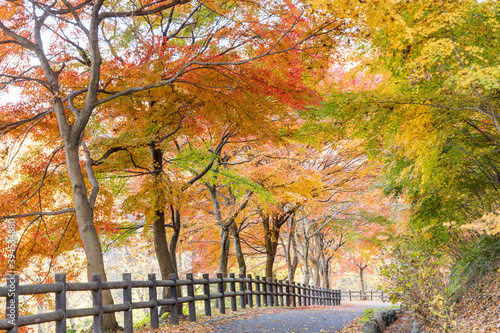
[(382, 296), (242, 288), (264, 289), (280, 291), (174, 308), (232, 286), (270, 291), (274, 284), (257, 292), (309, 296), (287, 293), (299, 294), (128, 322), (61, 303), (190, 293), (97, 304), (206, 291), (294, 299), (275, 292), (222, 299), (274, 289), (153, 297), (350, 296), (304, 293), (250, 288), (371, 292)]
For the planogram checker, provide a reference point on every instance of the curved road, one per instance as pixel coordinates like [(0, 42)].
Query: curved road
[(301, 320)]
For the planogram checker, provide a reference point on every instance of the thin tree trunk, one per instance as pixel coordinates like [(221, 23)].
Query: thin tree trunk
[(292, 254), (85, 218), (362, 281), (316, 279), (162, 254), (271, 244), (166, 259), (307, 271), (242, 267), (323, 271), (328, 271), (224, 252), (174, 239)]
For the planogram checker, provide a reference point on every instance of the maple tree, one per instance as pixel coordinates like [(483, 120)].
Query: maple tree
[(73, 59)]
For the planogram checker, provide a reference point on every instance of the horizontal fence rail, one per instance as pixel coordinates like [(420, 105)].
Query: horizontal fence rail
[(369, 295), (251, 291)]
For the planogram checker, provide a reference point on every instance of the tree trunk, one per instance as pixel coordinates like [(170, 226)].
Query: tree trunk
[(323, 272), (242, 267), (292, 254), (88, 233), (224, 252), (162, 254), (307, 272), (328, 270), (176, 227), (271, 243), (362, 281), (316, 268), (166, 259), (316, 279)]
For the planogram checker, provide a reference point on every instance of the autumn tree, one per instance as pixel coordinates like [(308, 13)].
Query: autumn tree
[(77, 57), (435, 117)]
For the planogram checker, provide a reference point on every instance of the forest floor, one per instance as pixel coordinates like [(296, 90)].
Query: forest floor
[(478, 311)]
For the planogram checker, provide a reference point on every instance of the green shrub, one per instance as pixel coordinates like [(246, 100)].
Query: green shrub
[(417, 279), (367, 315)]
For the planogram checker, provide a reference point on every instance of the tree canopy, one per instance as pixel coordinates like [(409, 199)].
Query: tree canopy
[(269, 136)]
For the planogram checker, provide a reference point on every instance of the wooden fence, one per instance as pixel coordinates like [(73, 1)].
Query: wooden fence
[(362, 295), (251, 291)]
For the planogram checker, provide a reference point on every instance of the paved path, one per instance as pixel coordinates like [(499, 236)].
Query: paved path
[(310, 320)]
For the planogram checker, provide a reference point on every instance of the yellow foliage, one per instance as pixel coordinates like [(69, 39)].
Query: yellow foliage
[(418, 134), (488, 224)]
